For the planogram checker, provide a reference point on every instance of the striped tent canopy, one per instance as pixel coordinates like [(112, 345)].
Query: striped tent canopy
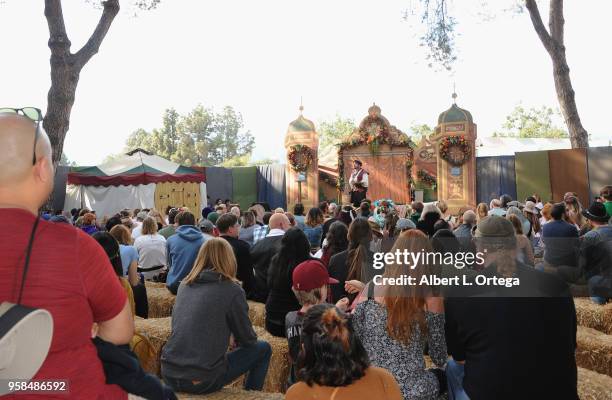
[(138, 167)]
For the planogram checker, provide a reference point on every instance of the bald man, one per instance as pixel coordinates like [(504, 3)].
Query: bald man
[(262, 253), (69, 273)]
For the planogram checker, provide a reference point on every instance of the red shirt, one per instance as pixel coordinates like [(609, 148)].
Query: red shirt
[(71, 277)]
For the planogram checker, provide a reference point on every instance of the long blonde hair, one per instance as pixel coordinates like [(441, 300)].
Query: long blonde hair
[(216, 255), (406, 304)]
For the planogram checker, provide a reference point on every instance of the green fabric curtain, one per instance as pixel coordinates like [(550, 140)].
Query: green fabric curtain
[(245, 186), (532, 175)]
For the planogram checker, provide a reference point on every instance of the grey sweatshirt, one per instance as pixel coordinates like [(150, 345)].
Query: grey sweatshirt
[(204, 315)]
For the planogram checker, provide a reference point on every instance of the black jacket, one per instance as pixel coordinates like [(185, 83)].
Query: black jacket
[(244, 272), (122, 368), (262, 254), (338, 269), (504, 333)]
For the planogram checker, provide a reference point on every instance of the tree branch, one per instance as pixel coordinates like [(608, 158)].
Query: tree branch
[(539, 27), (556, 21), (111, 9), (58, 39)]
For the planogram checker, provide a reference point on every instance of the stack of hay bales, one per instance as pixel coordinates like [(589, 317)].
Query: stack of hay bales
[(278, 372), (161, 301), (594, 350), (157, 330), (257, 313), (593, 315), (232, 394), (594, 386)]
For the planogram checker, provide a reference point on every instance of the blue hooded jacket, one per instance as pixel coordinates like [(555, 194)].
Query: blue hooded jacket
[(182, 249)]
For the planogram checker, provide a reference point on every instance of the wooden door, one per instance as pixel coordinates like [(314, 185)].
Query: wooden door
[(178, 194)]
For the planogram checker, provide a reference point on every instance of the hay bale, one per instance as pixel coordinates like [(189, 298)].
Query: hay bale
[(257, 313), (161, 301), (232, 394), (278, 372), (594, 386), (157, 331), (594, 315), (151, 284), (594, 350)]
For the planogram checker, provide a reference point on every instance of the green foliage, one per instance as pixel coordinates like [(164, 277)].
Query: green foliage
[(531, 123), (420, 131), (334, 131), (202, 137)]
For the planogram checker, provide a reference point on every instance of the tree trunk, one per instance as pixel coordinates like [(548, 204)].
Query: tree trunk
[(554, 44), (565, 94), (66, 67), (65, 70)]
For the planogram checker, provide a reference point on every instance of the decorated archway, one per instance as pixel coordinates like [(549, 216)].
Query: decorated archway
[(386, 154)]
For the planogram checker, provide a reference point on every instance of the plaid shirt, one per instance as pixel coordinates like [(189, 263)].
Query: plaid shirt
[(260, 233)]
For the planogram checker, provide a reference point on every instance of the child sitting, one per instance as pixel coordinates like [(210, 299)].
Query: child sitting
[(310, 280)]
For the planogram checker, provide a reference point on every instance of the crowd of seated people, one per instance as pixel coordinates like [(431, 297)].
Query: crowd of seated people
[(349, 335)]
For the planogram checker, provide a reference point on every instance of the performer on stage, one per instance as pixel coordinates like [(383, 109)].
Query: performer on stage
[(358, 183)]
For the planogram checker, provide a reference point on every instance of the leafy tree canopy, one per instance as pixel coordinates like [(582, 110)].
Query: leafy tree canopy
[(202, 137), (531, 123)]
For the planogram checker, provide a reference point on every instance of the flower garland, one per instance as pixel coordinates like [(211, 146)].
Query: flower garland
[(374, 143), (450, 142), (300, 157), (427, 178)]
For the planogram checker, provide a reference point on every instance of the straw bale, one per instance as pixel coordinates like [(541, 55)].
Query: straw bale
[(161, 301), (594, 315), (257, 313), (232, 394), (278, 372), (151, 284), (594, 350), (594, 386), (157, 331)]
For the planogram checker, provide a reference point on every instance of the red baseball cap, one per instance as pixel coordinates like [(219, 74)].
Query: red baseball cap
[(311, 274)]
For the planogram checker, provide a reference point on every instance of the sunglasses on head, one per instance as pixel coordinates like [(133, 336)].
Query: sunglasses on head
[(33, 114)]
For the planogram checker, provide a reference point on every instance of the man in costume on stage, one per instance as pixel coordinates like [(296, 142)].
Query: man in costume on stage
[(358, 183)]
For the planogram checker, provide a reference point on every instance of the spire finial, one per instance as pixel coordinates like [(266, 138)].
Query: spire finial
[(301, 105), (454, 94)]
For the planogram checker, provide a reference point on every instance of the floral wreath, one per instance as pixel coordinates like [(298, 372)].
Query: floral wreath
[(300, 157), (427, 178), (450, 142)]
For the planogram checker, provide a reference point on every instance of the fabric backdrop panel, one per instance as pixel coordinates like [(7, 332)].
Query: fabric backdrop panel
[(219, 183), (59, 187), (108, 200), (271, 185), (568, 173), (507, 178), (245, 186), (203, 202), (532, 174), (487, 179), (72, 197), (599, 169), (495, 176)]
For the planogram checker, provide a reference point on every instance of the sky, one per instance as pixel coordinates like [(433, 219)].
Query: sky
[(262, 56)]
